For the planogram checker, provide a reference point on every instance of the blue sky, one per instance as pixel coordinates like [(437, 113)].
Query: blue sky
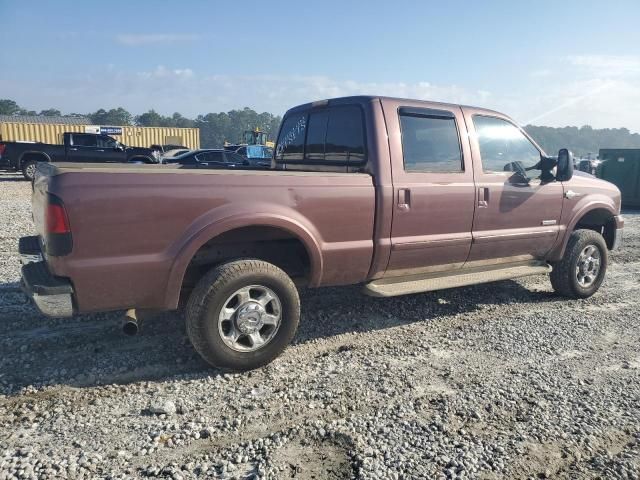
[(550, 63)]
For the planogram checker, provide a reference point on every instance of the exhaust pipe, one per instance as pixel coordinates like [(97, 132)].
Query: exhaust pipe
[(132, 324)]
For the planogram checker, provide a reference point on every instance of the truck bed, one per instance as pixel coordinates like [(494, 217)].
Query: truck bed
[(136, 228)]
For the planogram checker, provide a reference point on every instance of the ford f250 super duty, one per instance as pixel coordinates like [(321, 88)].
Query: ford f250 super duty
[(400, 196), (76, 147)]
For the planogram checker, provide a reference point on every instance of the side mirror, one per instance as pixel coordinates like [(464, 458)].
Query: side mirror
[(564, 171), (119, 147)]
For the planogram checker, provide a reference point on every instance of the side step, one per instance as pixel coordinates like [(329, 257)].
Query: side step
[(390, 287)]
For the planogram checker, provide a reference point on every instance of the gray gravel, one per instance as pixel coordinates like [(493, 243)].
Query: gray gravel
[(496, 381)]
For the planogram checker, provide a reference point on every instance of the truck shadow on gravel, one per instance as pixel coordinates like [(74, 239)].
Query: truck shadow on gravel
[(90, 350)]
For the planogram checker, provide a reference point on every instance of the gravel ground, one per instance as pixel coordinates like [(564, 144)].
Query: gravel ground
[(503, 380)]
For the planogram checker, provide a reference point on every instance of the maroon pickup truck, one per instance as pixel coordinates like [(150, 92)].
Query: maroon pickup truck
[(400, 196)]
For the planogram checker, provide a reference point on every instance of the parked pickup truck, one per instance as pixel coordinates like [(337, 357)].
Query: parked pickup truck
[(76, 147), (399, 196)]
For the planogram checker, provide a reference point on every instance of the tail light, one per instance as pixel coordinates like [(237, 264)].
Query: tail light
[(2, 147), (57, 220), (58, 238)]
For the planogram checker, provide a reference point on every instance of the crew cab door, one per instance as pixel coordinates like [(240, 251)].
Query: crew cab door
[(433, 187), (108, 150), (81, 147), (518, 206)]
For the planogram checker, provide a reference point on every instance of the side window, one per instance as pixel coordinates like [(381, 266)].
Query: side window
[(345, 135), (503, 147), (291, 140), (81, 140), (106, 142), (430, 144)]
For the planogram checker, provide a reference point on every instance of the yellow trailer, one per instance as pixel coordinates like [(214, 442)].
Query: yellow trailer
[(50, 130)]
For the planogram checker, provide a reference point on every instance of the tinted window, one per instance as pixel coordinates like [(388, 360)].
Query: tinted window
[(345, 135), (430, 144), (316, 134), (84, 140), (234, 158), (210, 157), (291, 139), (106, 142), (501, 144)]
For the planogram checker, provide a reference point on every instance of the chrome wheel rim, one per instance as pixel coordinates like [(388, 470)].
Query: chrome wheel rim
[(31, 170), (250, 318), (588, 266)]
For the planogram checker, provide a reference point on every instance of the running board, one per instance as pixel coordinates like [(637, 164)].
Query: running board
[(390, 287)]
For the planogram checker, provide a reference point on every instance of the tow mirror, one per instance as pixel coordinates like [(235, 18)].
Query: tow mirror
[(565, 165)]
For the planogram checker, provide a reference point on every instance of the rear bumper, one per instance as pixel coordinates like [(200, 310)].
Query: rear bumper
[(52, 295)]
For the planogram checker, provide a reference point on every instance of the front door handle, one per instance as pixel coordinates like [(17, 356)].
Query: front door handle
[(73, 149), (483, 197), (404, 199)]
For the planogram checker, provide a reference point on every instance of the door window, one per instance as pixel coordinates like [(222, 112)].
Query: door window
[(80, 140), (503, 147), (106, 142), (430, 144)]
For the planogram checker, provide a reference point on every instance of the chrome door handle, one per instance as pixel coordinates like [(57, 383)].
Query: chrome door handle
[(483, 197), (404, 199), (73, 149)]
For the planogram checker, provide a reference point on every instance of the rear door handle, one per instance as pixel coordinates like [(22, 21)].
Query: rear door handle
[(483, 197), (404, 199), (73, 149)]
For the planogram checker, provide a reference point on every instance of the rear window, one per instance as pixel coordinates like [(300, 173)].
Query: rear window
[(333, 136)]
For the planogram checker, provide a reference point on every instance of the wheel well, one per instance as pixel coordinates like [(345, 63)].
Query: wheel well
[(33, 157), (601, 221), (270, 244)]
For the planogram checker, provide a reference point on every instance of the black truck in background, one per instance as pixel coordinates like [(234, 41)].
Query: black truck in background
[(76, 147)]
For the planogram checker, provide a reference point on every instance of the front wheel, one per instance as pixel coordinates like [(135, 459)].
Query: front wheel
[(582, 269), (242, 314)]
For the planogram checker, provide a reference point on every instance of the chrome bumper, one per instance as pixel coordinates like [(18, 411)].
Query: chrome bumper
[(52, 295), (618, 235)]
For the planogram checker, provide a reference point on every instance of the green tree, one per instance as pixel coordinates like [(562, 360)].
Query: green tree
[(9, 107), (51, 112), (115, 116)]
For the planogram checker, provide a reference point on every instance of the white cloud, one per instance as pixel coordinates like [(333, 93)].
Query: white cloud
[(137, 39), (607, 65), (572, 95)]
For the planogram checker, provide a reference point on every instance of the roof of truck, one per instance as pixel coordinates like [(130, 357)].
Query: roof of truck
[(368, 98)]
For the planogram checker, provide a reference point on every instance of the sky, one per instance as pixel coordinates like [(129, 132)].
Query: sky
[(542, 62)]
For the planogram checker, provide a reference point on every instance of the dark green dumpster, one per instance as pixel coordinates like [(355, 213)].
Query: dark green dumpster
[(621, 166)]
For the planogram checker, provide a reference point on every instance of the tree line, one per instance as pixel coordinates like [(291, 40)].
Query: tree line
[(215, 128)]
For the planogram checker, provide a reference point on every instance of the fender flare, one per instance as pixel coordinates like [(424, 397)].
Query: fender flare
[(33, 152), (185, 249), (576, 217)]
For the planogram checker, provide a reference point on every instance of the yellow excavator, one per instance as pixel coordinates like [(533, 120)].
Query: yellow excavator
[(254, 146), (250, 137)]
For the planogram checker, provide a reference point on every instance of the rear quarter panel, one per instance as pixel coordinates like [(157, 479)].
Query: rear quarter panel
[(136, 229)]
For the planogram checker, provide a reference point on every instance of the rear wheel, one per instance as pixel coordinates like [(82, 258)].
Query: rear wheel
[(29, 169), (581, 272), (242, 314)]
